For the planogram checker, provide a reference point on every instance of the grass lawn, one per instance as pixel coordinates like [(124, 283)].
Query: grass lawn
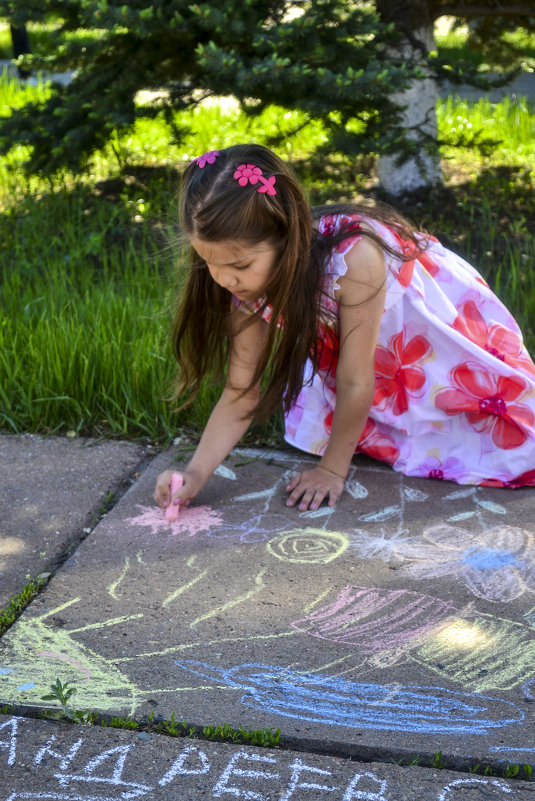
[(88, 268), (453, 42)]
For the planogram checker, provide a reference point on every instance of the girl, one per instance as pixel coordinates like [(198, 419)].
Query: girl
[(374, 337)]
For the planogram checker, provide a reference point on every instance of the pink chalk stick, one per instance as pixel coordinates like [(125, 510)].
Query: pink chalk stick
[(171, 513)]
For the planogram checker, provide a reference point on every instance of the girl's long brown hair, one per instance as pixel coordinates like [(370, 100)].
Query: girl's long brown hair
[(215, 208)]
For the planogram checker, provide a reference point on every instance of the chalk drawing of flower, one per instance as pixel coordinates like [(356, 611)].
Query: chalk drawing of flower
[(380, 545), (497, 564), (189, 522)]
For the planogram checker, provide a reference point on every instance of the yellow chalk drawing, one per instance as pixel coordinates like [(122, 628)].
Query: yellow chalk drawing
[(481, 653), (184, 588), (309, 607), (113, 587), (111, 622), (530, 617), (259, 585), (34, 655), (203, 644), (463, 634), (322, 668), (308, 546)]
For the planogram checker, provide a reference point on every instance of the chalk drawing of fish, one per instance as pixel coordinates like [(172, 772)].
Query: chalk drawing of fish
[(338, 702)]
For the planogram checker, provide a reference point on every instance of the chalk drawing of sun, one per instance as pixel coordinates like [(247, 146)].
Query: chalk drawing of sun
[(189, 522)]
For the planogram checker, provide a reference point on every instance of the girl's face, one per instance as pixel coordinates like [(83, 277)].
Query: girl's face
[(241, 268)]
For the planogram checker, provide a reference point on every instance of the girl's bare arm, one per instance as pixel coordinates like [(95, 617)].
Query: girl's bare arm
[(229, 419), (362, 296)]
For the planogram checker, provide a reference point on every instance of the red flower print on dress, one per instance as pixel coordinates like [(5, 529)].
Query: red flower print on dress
[(526, 479), (328, 225), (377, 445), (327, 350), (412, 254), (487, 402), (372, 442), (260, 307), (332, 224), (501, 342), (429, 264), (397, 373)]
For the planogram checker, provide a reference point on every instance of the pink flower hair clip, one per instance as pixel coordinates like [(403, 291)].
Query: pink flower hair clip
[(206, 158), (249, 174)]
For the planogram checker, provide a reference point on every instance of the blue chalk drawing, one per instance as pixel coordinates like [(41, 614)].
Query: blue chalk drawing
[(488, 558), (338, 702)]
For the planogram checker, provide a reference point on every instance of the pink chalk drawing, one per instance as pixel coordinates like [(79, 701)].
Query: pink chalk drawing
[(189, 522), (64, 658), (377, 619), (497, 564)]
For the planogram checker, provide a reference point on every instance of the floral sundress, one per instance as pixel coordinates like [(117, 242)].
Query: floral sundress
[(454, 385)]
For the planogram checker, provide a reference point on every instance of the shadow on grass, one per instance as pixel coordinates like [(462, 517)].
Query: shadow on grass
[(160, 183), (85, 227), (499, 205), (482, 219), (488, 220)]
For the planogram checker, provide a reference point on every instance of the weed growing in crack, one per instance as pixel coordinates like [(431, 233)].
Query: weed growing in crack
[(62, 693), (121, 723), (266, 738), (175, 728), (437, 761), (19, 602)]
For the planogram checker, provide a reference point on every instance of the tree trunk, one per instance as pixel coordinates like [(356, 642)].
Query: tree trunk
[(419, 118)]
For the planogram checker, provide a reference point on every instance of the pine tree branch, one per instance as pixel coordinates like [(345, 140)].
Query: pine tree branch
[(515, 10)]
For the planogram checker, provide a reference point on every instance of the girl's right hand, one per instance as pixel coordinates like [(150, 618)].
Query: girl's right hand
[(191, 486)]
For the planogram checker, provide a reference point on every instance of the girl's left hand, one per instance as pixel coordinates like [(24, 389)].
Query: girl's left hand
[(313, 486)]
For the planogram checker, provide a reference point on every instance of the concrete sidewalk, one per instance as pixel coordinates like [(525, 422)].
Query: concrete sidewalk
[(394, 627), (53, 491), (42, 760)]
